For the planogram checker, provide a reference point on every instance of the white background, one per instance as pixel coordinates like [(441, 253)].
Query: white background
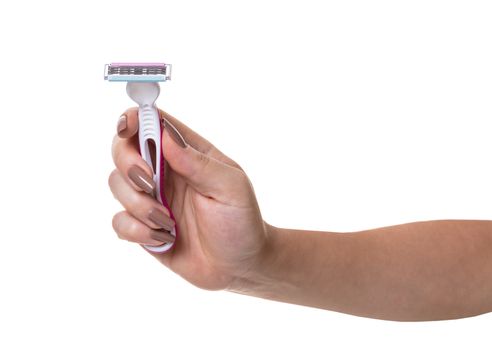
[(346, 115)]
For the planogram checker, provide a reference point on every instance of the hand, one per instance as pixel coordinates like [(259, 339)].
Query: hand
[(222, 235)]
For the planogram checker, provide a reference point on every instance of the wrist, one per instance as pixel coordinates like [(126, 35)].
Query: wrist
[(264, 277)]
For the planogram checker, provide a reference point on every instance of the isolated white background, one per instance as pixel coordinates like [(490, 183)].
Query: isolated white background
[(346, 115)]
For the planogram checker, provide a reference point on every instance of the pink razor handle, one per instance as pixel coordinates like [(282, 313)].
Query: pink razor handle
[(150, 141)]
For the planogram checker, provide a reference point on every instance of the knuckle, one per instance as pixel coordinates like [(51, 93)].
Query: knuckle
[(112, 178), (116, 224), (136, 202), (118, 157), (130, 110), (117, 154), (114, 145), (204, 161), (134, 233)]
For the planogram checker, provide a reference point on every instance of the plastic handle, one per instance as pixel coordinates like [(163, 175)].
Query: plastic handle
[(149, 137)]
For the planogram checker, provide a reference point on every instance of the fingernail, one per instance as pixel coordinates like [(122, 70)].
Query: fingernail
[(160, 218), (161, 236), (121, 126), (141, 179), (175, 135)]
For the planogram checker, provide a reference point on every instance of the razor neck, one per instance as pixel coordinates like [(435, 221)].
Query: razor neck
[(143, 93)]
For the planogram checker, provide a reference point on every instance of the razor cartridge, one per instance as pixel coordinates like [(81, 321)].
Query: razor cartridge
[(139, 72)]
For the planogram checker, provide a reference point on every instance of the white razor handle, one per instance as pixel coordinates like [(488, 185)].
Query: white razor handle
[(149, 137)]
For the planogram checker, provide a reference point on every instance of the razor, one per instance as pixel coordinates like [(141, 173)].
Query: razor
[(142, 86)]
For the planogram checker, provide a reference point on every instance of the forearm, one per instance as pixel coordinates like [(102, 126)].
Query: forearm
[(418, 271)]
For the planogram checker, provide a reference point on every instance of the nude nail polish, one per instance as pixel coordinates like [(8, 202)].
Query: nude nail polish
[(174, 133), (159, 217), (162, 236), (141, 179), (122, 124)]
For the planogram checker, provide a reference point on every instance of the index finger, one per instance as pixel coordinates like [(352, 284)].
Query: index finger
[(128, 160)]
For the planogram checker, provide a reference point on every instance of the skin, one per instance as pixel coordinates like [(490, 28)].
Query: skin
[(413, 272)]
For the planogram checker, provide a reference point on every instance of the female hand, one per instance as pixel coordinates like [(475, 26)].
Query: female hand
[(222, 235), (416, 271)]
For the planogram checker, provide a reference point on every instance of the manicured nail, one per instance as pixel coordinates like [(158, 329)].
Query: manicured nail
[(160, 218), (174, 133), (141, 179), (121, 126), (161, 236)]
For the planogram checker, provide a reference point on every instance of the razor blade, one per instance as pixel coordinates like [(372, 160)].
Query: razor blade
[(137, 72)]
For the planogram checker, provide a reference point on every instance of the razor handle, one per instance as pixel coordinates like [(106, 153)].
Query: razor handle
[(149, 136)]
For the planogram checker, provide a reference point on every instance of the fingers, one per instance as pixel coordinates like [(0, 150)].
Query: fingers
[(129, 228), (195, 140), (129, 161), (141, 206), (126, 156), (127, 125), (207, 175), (207, 169)]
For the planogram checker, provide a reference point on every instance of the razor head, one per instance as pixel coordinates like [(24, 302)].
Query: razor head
[(137, 72)]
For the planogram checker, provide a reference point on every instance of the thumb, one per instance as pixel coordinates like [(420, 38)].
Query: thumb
[(207, 175)]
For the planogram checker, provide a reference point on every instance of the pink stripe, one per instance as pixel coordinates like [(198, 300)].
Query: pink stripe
[(163, 176), (140, 64), (162, 183)]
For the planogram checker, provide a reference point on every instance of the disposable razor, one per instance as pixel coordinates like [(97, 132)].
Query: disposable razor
[(142, 86)]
